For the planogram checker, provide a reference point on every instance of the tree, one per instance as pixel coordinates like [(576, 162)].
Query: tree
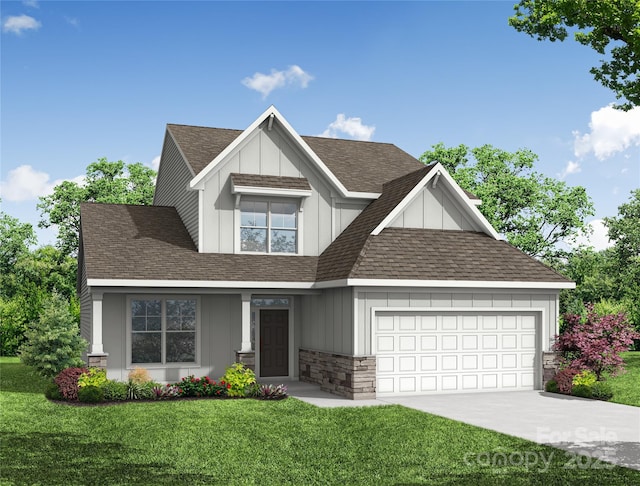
[(624, 231), (28, 284), (106, 182), (53, 341), (533, 212), (597, 24), (595, 343), (15, 240)]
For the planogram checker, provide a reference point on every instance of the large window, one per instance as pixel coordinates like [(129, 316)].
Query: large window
[(163, 330), (268, 226)]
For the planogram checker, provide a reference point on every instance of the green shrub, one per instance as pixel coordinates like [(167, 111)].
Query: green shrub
[(52, 392), (583, 391), (239, 379), (114, 391), (53, 342), (141, 391), (552, 386), (94, 377), (586, 377), (601, 390), (90, 394)]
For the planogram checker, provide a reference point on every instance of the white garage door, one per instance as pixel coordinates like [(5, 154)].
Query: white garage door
[(447, 352)]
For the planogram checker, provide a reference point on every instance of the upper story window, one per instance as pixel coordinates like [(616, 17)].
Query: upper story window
[(268, 226)]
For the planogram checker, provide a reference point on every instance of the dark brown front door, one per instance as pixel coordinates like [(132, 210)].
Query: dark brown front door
[(274, 342)]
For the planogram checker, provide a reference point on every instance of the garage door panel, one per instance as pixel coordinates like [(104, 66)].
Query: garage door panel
[(456, 351)]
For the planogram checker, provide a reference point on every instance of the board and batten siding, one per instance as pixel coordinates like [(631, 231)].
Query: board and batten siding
[(171, 187), (454, 300), (86, 308), (264, 153), (327, 321), (220, 336), (434, 209)]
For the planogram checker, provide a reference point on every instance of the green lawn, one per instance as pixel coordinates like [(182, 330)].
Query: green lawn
[(253, 442), (626, 387)]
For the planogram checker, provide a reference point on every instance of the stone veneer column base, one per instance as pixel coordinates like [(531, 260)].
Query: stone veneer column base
[(97, 360), (550, 366), (247, 358), (348, 376)]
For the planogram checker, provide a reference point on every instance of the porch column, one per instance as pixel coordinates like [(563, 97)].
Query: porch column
[(246, 323), (96, 356), (96, 323)]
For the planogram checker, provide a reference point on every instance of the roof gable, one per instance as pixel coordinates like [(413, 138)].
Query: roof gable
[(269, 116), (439, 175), (342, 161)]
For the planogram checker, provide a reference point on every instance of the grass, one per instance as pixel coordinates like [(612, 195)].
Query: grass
[(626, 387), (255, 442)]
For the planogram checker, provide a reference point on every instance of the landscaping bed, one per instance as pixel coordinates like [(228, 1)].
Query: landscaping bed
[(90, 386)]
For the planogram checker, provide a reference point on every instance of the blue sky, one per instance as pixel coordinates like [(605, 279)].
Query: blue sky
[(83, 80)]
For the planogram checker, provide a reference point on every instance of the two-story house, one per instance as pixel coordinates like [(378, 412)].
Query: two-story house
[(344, 263)]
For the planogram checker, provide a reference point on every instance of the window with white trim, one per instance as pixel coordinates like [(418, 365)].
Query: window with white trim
[(268, 226), (163, 330)]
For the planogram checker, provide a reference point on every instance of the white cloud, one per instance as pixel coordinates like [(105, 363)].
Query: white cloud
[(72, 21), (571, 168), (611, 131), (266, 83), (155, 163), (352, 127), (31, 3), (598, 239), (18, 24), (26, 183)]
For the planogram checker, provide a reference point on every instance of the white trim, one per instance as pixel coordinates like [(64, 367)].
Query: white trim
[(270, 191), (484, 284), (163, 298), (355, 326), (350, 282), (201, 221), (230, 284), (198, 181), (459, 194), (245, 344), (96, 323)]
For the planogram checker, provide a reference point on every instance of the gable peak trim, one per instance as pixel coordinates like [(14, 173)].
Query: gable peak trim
[(269, 115)]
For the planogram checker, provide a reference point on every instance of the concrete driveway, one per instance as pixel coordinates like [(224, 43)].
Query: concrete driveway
[(601, 430)]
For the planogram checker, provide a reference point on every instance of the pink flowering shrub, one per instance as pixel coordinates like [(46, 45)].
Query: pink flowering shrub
[(596, 342)]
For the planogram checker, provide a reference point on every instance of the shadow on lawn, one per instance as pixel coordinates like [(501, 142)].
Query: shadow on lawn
[(35, 458)]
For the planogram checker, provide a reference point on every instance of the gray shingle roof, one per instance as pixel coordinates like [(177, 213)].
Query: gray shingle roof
[(256, 180), (359, 166), (422, 254), (151, 243)]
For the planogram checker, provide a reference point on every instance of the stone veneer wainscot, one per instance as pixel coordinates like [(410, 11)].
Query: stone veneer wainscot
[(348, 376)]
